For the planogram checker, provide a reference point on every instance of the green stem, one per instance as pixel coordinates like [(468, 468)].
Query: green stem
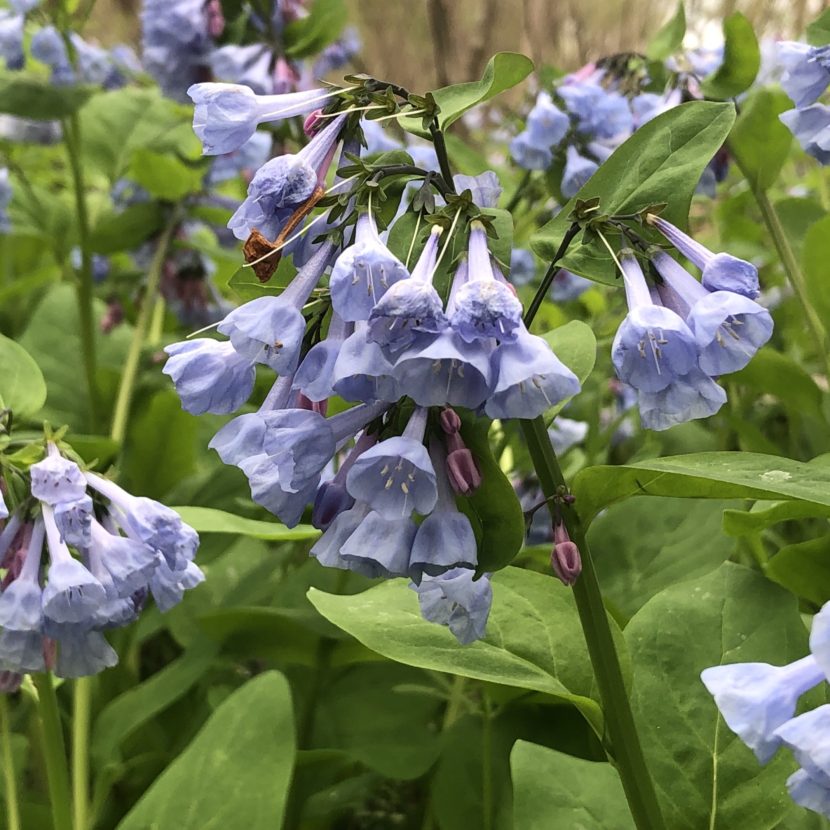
[(55, 753), (619, 719), (126, 387), (82, 704), (518, 192), (487, 760), (547, 280), (793, 271), (441, 151), (455, 703), (12, 805), (84, 286)]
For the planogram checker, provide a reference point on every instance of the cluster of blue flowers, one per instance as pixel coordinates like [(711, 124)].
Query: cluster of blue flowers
[(392, 343), (588, 116), (805, 78), (53, 612), (758, 702), (682, 334)]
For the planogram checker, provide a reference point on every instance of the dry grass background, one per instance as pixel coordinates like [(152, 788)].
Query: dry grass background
[(424, 43)]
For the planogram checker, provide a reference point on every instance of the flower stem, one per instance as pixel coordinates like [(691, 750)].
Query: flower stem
[(9, 780), (793, 271), (441, 151), (519, 192), (126, 388), (626, 751), (84, 286), (82, 702), (547, 280), (55, 752), (487, 760)]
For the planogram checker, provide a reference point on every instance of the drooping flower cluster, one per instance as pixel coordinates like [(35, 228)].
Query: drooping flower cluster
[(758, 702), (392, 342), (805, 77), (105, 550), (682, 334)]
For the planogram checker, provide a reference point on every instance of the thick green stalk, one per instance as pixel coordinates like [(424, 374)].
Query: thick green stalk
[(9, 780), (82, 703), (54, 751), (619, 719), (126, 388), (84, 285), (793, 271)]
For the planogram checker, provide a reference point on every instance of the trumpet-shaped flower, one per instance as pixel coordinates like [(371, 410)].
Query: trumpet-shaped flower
[(807, 738), (547, 125), (457, 600), (380, 547), (809, 793), (578, 169), (806, 71), (362, 372), (22, 600), (74, 521), (688, 397), (363, 273), (209, 375), (227, 115), (57, 479), (315, 375), (811, 127)]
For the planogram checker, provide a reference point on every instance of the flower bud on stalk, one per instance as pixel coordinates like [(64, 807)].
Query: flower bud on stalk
[(565, 560)]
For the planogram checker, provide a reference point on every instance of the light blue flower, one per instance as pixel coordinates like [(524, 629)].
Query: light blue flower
[(315, 375), (168, 586), (332, 499), (245, 161), (248, 66), (547, 125), (811, 127), (283, 184), (528, 154), (411, 305), (339, 53), (326, 550), (395, 477), (578, 169), (270, 329), (227, 115), (755, 699), (21, 601), (362, 372), (128, 563), (568, 287), (485, 306), (286, 503), (806, 71), (377, 139), (809, 793), (565, 433), (529, 379), (807, 738), (11, 40), (363, 273), (688, 397), (820, 639), (485, 188), (380, 547), (457, 600), (83, 653), (57, 479), (209, 375), (4, 511), (21, 651), (438, 369), (74, 521), (729, 328), (720, 272), (522, 266), (653, 346)]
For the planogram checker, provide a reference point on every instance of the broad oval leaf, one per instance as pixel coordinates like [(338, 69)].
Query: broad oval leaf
[(554, 790), (235, 773), (669, 38), (30, 97), (661, 162), (209, 520), (22, 387), (704, 775), (534, 640), (741, 60), (575, 344)]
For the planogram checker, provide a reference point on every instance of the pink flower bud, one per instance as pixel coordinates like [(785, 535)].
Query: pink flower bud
[(463, 472), (313, 122), (303, 402), (215, 18), (566, 562), (450, 422)]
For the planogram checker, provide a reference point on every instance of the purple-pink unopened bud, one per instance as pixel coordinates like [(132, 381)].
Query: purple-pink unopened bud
[(566, 562), (303, 402), (450, 422), (463, 472), (215, 18), (313, 122)]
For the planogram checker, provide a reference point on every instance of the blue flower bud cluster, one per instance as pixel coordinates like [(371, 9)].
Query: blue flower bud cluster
[(758, 702), (81, 556), (682, 334), (805, 77)]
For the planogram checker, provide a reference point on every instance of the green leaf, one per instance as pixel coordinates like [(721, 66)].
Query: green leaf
[(494, 510), (661, 162), (759, 141), (554, 790), (309, 35), (741, 60), (814, 258), (818, 32), (704, 775), (208, 520), (22, 387), (37, 98), (534, 640), (125, 714), (235, 773), (164, 176), (125, 230), (503, 71), (576, 346), (669, 38), (116, 124), (774, 373), (803, 569), (644, 546), (765, 514), (708, 475), (52, 338)]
